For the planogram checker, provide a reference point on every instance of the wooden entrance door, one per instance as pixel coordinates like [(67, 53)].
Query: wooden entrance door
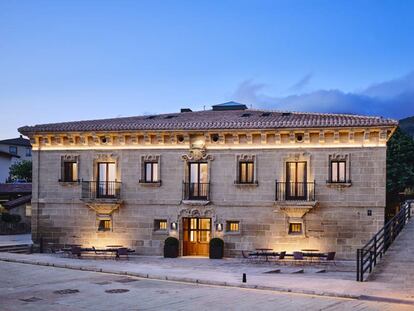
[(196, 232)]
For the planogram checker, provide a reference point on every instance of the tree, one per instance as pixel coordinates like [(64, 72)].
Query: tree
[(400, 166), (21, 170)]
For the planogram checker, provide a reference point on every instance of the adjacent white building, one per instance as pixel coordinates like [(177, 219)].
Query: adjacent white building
[(11, 151)]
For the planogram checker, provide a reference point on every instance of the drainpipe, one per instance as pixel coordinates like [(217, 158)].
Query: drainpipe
[(38, 194)]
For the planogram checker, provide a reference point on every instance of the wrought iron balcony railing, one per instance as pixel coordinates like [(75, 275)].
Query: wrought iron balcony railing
[(196, 191), (101, 190), (295, 191)]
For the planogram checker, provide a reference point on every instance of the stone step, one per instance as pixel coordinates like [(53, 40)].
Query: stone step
[(20, 248)]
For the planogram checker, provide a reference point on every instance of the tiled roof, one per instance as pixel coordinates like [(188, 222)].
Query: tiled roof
[(15, 188), (20, 141), (219, 120), (17, 202)]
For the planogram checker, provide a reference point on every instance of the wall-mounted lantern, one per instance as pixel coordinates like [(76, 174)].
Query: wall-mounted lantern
[(174, 225), (219, 227)]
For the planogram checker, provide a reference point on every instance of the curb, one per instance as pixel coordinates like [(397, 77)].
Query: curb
[(211, 283)]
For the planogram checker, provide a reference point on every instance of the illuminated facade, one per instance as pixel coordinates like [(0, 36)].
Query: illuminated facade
[(285, 181)]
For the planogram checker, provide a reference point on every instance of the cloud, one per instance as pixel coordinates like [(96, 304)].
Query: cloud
[(301, 84), (248, 91), (393, 98)]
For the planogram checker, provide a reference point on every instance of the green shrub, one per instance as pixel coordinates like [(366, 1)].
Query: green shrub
[(216, 248), (171, 245), (10, 218)]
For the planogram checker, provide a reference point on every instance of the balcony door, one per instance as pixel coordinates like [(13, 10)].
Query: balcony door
[(106, 185), (296, 181), (198, 181), (196, 236)]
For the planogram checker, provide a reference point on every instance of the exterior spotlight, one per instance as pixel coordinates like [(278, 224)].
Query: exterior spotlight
[(219, 227), (173, 225)]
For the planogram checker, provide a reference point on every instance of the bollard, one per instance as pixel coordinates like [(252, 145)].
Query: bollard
[(244, 278), (41, 245)]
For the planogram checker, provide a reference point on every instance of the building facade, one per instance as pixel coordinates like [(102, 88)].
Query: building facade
[(286, 181), (12, 151)]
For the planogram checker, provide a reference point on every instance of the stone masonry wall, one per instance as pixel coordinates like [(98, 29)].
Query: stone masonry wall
[(339, 223)]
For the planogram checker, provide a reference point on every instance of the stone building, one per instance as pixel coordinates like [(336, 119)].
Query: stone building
[(280, 180)]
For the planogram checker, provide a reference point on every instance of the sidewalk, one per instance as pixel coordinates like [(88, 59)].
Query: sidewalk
[(228, 272), (16, 239)]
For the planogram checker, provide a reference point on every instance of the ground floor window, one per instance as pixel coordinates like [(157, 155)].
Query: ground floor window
[(104, 225), (232, 226), (160, 225), (295, 228)]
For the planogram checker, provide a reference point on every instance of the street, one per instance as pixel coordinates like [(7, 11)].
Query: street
[(31, 287)]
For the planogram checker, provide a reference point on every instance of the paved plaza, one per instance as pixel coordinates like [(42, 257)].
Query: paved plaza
[(28, 287), (179, 283)]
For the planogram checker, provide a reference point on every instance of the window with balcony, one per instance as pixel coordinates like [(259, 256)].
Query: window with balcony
[(197, 185), (106, 184)]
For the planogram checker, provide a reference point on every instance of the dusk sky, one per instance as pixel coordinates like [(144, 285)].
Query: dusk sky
[(75, 60)]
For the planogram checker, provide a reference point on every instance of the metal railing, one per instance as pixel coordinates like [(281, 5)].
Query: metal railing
[(196, 191), (295, 191), (367, 256), (101, 190)]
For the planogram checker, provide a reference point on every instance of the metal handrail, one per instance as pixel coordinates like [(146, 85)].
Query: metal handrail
[(377, 246), (196, 191), (295, 191), (101, 190)]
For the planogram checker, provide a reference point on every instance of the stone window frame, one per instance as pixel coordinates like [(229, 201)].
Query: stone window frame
[(153, 158), (72, 158), (297, 157), (103, 217), (226, 226), (339, 157), (196, 155), (296, 220), (291, 224), (246, 158), (106, 157)]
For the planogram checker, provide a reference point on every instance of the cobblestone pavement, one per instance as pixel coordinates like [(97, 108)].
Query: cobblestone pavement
[(340, 282), (28, 287)]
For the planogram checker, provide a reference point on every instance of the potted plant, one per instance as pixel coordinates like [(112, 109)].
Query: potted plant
[(216, 248), (171, 247)]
